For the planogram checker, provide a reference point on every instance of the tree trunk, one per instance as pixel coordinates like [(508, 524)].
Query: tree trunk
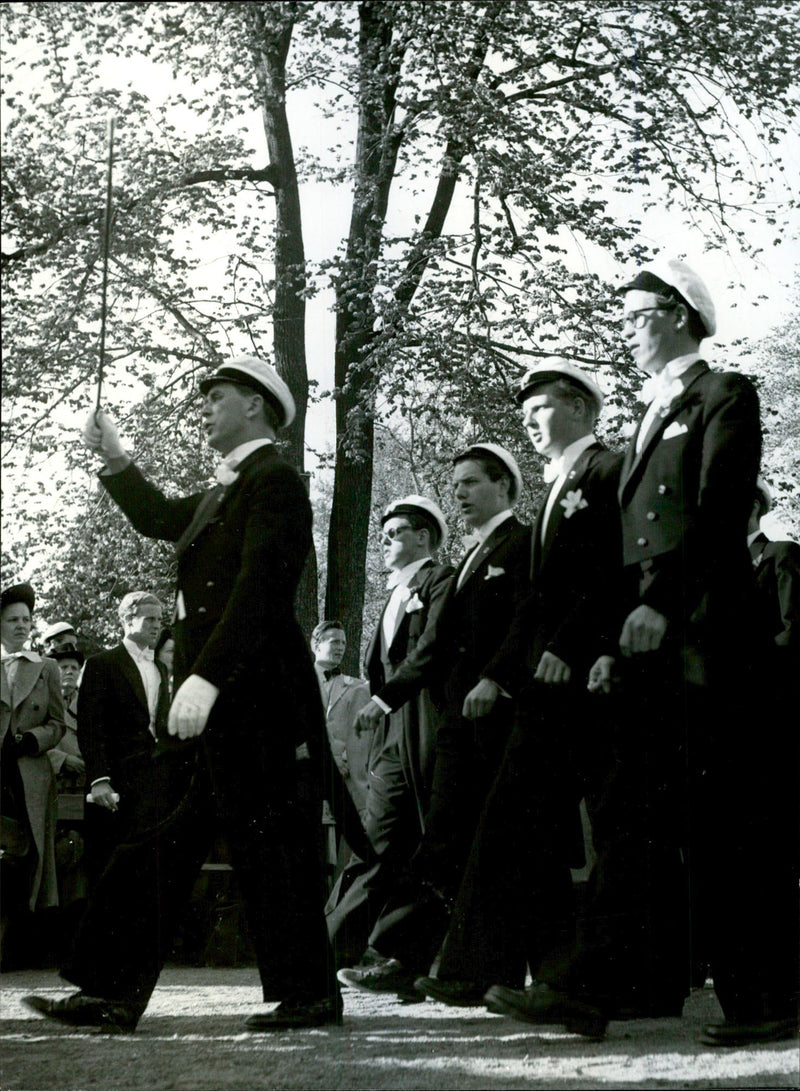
[(271, 26)]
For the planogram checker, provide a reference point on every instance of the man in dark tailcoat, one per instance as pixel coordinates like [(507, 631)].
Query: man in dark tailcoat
[(246, 698), (402, 715), (474, 619), (693, 656), (516, 895), (123, 703)]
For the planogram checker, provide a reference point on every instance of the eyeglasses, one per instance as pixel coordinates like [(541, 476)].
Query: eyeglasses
[(393, 532), (638, 319)]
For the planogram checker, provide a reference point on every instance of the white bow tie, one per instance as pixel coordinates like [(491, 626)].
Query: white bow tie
[(392, 580), (225, 473), (146, 653), (552, 470), (661, 389), (470, 541)]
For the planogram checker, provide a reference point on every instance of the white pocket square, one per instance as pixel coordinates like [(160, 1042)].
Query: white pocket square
[(674, 429), (491, 572)]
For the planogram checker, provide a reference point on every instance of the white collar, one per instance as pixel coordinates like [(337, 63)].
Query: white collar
[(483, 532), (24, 653), (136, 651), (402, 576), (756, 534), (560, 467), (240, 453)]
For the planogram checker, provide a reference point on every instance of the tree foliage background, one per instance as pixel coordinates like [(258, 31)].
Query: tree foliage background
[(500, 158)]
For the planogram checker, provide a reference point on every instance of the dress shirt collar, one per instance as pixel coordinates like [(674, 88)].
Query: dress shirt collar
[(402, 576), (656, 387), (756, 534), (483, 532), (137, 652), (32, 657), (240, 453), (560, 467)]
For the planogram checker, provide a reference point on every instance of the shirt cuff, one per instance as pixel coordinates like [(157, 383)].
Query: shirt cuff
[(382, 705)]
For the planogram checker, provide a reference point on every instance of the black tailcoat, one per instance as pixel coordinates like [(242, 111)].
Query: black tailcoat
[(240, 552)]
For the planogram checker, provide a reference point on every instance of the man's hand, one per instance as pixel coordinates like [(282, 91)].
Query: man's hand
[(370, 716), (601, 676), (643, 631), (101, 436), (105, 796), (481, 699), (191, 706), (552, 670)]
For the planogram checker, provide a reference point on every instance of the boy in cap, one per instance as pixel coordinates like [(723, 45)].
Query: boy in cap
[(400, 712), (474, 619), (246, 697)]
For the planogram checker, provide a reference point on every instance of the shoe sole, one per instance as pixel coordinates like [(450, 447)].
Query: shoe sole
[(586, 1028)]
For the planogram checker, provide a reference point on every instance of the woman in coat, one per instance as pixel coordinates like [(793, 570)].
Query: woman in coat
[(31, 723)]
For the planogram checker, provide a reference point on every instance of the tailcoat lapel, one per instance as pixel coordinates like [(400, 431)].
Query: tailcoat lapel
[(557, 512), (484, 555), (131, 672)]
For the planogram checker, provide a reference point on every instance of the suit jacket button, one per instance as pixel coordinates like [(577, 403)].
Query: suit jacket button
[(202, 610), (662, 490), (210, 583), (462, 650), (651, 515), (641, 541)]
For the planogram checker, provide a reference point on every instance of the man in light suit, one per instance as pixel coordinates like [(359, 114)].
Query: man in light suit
[(343, 697), (693, 654), (474, 619), (246, 698), (402, 716), (123, 703)]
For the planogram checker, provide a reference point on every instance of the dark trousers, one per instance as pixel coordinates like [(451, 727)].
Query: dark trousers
[(690, 850), (516, 897), (413, 922), (131, 920)]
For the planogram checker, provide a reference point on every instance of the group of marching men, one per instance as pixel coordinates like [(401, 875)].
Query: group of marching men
[(628, 651)]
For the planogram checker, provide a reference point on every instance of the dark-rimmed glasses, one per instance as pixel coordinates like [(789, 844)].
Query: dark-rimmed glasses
[(638, 319), (393, 532)]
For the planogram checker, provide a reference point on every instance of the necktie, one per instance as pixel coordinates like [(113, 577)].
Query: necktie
[(225, 473), (552, 470), (332, 673)]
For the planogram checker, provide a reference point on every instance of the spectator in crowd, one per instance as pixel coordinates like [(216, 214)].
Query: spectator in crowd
[(473, 622), (246, 697), (342, 698), (60, 635), (777, 569), (122, 709), (401, 713), (66, 758), (516, 897), (692, 663), (32, 723)]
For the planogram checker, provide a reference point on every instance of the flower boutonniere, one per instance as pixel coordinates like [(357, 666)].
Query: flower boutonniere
[(573, 502), (491, 572), (414, 603)]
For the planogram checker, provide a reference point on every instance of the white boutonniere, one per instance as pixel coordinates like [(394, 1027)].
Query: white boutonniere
[(491, 572), (413, 604), (573, 502)]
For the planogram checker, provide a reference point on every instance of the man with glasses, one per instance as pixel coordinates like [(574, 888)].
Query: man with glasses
[(400, 713), (692, 659), (474, 620)]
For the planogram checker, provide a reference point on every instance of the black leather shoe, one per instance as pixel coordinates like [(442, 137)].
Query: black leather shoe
[(541, 1004), (80, 1010), (747, 1034), (296, 1014), (458, 994), (387, 977)]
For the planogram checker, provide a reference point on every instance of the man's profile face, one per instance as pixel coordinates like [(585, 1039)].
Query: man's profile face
[(478, 497), (649, 331), (61, 641), (549, 421), (144, 628), (330, 648), (225, 418)]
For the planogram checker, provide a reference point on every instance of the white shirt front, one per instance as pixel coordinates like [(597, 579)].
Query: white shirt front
[(482, 533), (672, 371), (151, 679), (399, 596), (569, 457)]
